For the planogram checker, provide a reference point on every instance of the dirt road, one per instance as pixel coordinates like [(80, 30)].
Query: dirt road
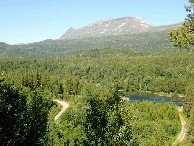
[(183, 130), (65, 106), (179, 138)]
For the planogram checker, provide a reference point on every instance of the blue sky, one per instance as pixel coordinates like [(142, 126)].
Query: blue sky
[(26, 21)]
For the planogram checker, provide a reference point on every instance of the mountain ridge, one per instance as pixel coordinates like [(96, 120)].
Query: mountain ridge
[(140, 38), (118, 26)]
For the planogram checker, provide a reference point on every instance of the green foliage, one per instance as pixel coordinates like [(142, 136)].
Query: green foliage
[(189, 99), (190, 133), (168, 74), (13, 119), (101, 119), (153, 124), (1, 77), (183, 37), (90, 84), (23, 115), (38, 110), (189, 107)]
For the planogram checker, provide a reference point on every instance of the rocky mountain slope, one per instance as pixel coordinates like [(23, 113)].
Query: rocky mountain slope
[(119, 26), (125, 25)]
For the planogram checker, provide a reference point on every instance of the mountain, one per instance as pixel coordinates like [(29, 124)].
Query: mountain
[(122, 33), (110, 27), (119, 26)]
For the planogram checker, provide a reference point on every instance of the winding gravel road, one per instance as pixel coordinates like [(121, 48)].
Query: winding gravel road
[(179, 138), (65, 106), (183, 130)]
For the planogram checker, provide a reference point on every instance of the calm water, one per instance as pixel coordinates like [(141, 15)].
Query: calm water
[(136, 96)]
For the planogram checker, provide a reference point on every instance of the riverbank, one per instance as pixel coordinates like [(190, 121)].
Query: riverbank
[(155, 93), (166, 94)]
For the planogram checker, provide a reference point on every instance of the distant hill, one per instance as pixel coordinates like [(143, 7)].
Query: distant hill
[(123, 33)]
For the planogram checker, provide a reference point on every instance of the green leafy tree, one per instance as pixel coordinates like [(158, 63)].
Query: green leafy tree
[(61, 89), (190, 132), (1, 77), (23, 114), (38, 110), (189, 99), (183, 37), (13, 111)]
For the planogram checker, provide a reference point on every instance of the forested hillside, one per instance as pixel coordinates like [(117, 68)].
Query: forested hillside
[(144, 42), (89, 81), (166, 73)]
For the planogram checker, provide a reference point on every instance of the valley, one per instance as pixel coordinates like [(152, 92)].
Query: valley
[(66, 91)]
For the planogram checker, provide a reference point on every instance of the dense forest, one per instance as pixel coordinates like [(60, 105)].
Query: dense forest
[(89, 82), (89, 74), (168, 74)]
